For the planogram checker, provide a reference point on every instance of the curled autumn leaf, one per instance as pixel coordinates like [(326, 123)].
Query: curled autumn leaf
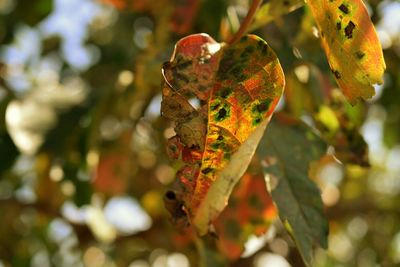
[(220, 99), (351, 46)]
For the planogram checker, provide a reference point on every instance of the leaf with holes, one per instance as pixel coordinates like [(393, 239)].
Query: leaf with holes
[(351, 46), (287, 149), (220, 99)]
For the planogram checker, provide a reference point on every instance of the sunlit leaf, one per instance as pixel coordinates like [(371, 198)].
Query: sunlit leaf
[(287, 149), (304, 96), (351, 46), (339, 124), (250, 212), (236, 89), (328, 118)]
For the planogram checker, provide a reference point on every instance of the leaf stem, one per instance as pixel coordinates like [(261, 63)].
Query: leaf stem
[(246, 22)]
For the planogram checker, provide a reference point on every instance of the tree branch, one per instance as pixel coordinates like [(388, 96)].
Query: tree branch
[(246, 22)]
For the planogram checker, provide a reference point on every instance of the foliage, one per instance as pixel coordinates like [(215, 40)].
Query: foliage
[(349, 39), (240, 86), (91, 174)]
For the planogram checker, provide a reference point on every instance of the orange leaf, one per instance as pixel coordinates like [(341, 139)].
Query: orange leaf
[(237, 88), (111, 176), (250, 212), (351, 46)]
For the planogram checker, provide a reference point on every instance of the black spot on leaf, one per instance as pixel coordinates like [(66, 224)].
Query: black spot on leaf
[(183, 65), (215, 106), (195, 146), (256, 121), (263, 47), (206, 170), (338, 26), (206, 60), (265, 51), (360, 55), (262, 107), (337, 74), (348, 31), (220, 138), (344, 9), (221, 114)]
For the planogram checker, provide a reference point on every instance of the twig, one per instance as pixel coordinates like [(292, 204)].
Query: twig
[(246, 22)]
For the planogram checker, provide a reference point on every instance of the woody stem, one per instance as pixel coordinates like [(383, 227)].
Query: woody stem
[(246, 22)]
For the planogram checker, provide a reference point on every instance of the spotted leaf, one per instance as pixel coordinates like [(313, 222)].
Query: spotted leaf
[(220, 99), (351, 46)]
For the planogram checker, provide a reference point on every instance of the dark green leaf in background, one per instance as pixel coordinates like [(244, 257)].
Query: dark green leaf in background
[(287, 149)]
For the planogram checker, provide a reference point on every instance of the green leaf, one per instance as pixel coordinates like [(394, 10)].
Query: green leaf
[(287, 149), (237, 88), (338, 123), (272, 10)]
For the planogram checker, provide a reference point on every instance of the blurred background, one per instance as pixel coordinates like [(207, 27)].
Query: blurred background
[(83, 167)]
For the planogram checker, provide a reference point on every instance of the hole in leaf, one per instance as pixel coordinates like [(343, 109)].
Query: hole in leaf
[(170, 195)]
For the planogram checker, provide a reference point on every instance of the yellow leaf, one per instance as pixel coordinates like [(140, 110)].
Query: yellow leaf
[(351, 46)]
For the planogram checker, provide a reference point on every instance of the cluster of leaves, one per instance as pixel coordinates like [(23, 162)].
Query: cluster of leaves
[(230, 182), (238, 86)]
